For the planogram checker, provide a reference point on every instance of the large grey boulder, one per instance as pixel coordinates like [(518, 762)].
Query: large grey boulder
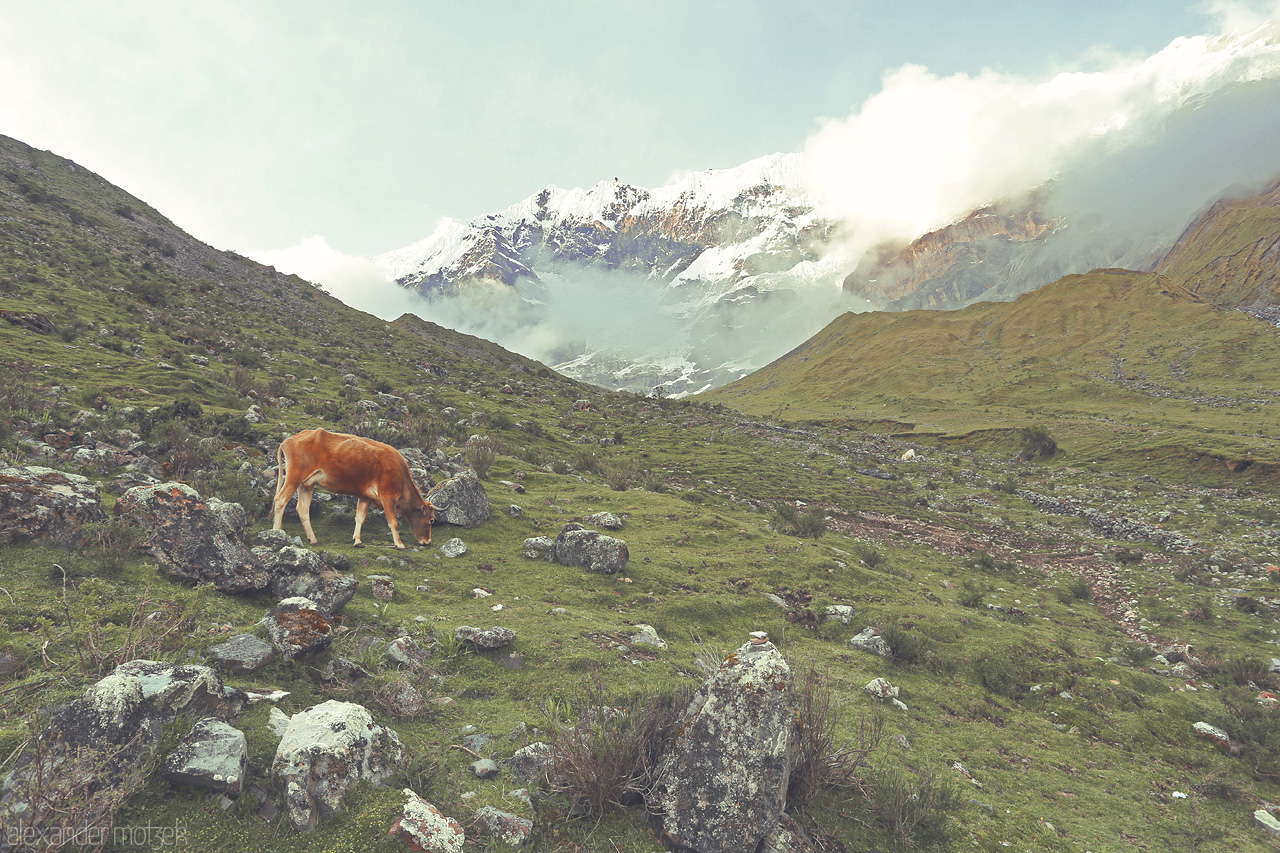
[(722, 785), (460, 500), (593, 551), (95, 749), (213, 755), (43, 505), (325, 752), (190, 540)]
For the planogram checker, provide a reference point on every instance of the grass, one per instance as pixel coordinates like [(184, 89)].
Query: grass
[(966, 585)]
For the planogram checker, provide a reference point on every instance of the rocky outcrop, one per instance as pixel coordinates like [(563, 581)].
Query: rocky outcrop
[(190, 540), (593, 551), (40, 504), (93, 754), (460, 500), (325, 752), (948, 268), (1230, 254), (722, 786)]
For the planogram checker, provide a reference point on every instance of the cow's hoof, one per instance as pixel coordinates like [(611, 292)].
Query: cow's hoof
[(357, 544)]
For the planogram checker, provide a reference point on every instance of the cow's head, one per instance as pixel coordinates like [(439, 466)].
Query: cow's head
[(421, 516)]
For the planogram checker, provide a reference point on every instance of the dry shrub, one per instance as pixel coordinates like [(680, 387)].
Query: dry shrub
[(65, 797), (610, 753), (913, 808), (401, 699), (823, 759), (482, 454)]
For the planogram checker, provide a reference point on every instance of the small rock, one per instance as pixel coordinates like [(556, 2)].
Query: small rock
[(504, 826), (516, 511), (423, 827), (868, 640), (242, 654), (384, 588), (1267, 822), (485, 768), (213, 755), (842, 613), (882, 689), (278, 721), (607, 520), (455, 547), (646, 635), (489, 638)]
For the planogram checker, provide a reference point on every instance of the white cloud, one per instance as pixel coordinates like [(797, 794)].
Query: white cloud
[(356, 281), (926, 150)]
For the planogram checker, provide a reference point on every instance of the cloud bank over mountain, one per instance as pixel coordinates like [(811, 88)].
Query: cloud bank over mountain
[(926, 150)]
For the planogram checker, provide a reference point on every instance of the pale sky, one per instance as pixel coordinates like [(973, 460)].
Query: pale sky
[(257, 126)]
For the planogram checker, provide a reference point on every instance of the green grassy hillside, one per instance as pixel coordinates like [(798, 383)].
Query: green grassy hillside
[(1127, 369), (1023, 639)]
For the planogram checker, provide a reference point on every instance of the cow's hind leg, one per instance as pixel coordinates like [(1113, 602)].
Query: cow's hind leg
[(304, 510), (362, 509)]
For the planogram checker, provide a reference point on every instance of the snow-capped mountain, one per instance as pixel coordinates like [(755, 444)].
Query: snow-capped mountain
[(706, 269)]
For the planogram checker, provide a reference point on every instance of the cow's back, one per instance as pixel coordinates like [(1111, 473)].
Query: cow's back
[(352, 465)]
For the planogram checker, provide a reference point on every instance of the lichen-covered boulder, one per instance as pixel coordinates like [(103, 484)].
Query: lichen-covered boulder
[(485, 639), (213, 755), (190, 540), (593, 551), (325, 752), (722, 785), (460, 500), (298, 628), (40, 504), (425, 829), (94, 750)]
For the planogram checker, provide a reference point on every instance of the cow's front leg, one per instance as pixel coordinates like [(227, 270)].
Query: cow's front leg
[(362, 509), (304, 511), (389, 508)]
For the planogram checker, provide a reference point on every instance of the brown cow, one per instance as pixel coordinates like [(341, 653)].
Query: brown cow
[(350, 465)]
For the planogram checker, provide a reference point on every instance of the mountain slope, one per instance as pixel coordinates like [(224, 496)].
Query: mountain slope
[(694, 257), (1231, 254), (1113, 346)]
